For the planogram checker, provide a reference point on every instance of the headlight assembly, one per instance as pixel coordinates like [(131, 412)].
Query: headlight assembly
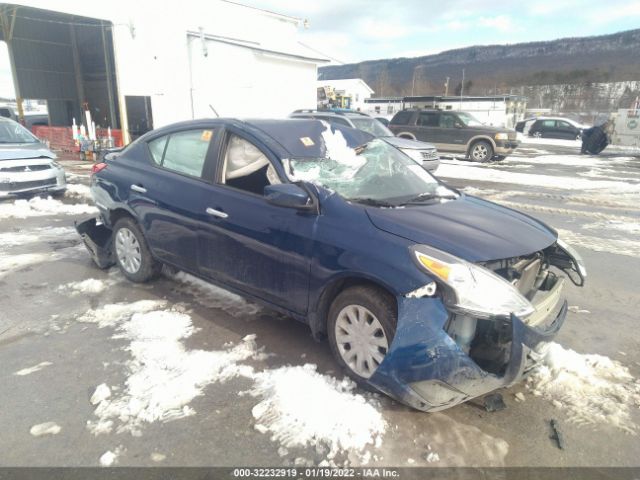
[(502, 136), (475, 290)]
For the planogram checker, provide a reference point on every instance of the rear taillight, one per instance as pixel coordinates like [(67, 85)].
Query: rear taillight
[(98, 167)]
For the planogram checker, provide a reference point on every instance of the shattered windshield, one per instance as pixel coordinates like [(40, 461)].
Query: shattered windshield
[(469, 120), (11, 132), (372, 126), (374, 173)]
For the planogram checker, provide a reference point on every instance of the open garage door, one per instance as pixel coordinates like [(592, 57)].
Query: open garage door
[(64, 59)]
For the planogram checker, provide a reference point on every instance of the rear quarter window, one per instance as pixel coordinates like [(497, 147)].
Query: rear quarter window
[(401, 118)]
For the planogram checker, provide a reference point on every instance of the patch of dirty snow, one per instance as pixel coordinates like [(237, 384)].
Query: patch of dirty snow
[(481, 173), (30, 370), (37, 207), (158, 457), (163, 376), (102, 392), (78, 190), (432, 457), (618, 246), (22, 237), (291, 399), (11, 263), (109, 457), (90, 285), (211, 296), (527, 140), (46, 428), (113, 313), (628, 227), (591, 389)]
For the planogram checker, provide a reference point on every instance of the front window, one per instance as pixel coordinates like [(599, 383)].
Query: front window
[(375, 173), (469, 120), (11, 132), (372, 126)]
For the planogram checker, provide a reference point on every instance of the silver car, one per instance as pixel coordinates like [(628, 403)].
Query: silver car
[(423, 153), (26, 165)]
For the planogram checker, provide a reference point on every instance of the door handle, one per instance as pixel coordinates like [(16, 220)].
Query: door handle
[(138, 188), (216, 213)]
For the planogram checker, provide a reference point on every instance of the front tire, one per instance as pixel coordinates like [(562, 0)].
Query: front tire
[(481, 151), (361, 326), (132, 253)]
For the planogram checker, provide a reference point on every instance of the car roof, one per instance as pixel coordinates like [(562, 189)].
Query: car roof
[(288, 138)]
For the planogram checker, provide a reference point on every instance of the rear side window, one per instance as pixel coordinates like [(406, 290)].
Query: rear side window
[(183, 152), (549, 123), (401, 118), (428, 119), (157, 148)]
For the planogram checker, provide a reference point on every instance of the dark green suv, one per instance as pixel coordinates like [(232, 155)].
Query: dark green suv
[(455, 132)]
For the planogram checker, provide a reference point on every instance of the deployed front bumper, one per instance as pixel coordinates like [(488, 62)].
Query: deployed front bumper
[(427, 370)]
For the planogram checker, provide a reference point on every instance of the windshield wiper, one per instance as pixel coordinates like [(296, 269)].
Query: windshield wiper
[(425, 197), (374, 202)]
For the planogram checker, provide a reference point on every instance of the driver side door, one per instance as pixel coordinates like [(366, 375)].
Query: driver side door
[(248, 243)]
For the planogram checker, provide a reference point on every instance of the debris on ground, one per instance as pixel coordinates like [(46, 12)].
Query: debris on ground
[(520, 397), (577, 309), (158, 457), (108, 458), (557, 435), (494, 402), (432, 457), (46, 428)]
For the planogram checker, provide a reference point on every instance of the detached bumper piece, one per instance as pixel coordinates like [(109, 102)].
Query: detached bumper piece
[(98, 240), (426, 369)]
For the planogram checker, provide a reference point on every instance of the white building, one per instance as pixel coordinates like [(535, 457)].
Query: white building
[(498, 111), (139, 64), (354, 88)]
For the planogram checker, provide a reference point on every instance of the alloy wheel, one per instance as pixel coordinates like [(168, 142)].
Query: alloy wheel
[(480, 152), (361, 340), (128, 250)]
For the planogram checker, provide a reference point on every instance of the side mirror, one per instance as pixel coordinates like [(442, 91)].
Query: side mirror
[(288, 195)]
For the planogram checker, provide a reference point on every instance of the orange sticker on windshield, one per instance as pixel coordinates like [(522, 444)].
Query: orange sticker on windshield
[(307, 142), (206, 135)]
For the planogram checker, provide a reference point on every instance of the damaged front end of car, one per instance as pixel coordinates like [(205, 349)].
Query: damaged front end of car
[(476, 327)]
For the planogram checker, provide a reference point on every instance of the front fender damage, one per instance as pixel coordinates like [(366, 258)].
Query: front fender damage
[(427, 370)]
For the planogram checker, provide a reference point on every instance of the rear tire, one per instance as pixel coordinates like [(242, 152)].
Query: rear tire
[(132, 253), (361, 326), (481, 151)]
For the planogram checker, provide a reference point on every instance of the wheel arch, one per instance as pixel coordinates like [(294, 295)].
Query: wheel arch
[(117, 213), (407, 135), (478, 138), (320, 311)]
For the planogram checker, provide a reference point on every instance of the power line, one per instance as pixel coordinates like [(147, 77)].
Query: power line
[(322, 53)]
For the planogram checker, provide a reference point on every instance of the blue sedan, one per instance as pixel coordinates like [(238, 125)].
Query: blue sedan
[(424, 293)]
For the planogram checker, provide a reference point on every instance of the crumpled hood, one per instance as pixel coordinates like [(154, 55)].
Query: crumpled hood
[(408, 143), (470, 228), (15, 152)]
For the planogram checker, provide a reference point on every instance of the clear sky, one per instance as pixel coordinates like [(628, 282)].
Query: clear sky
[(355, 30)]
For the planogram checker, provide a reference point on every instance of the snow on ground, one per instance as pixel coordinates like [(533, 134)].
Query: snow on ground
[(210, 296), (10, 263), (292, 398), (481, 173), (37, 207), (163, 377), (90, 285), (22, 237), (590, 389), (113, 313), (46, 428), (78, 190), (30, 370), (627, 227), (618, 246), (109, 457)]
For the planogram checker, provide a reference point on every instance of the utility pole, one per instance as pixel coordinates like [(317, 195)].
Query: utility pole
[(461, 91), (446, 87)]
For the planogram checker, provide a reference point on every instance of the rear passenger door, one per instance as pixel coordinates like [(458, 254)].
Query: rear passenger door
[(170, 199), (454, 135), (566, 130)]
